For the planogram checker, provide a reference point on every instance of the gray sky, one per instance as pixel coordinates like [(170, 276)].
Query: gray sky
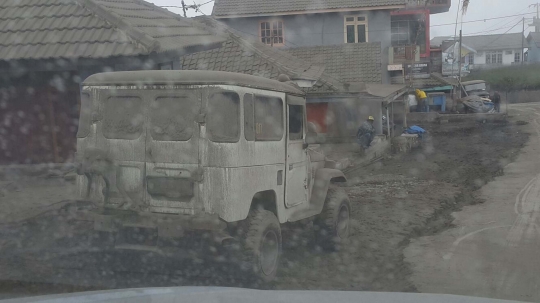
[(478, 9)]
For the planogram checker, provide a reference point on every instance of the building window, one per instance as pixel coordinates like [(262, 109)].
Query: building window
[(356, 29), (509, 52), (409, 30), (517, 57), (471, 58), (494, 57), (271, 32)]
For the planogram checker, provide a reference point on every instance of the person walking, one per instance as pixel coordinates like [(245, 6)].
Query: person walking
[(366, 133), (422, 98), (496, 99)]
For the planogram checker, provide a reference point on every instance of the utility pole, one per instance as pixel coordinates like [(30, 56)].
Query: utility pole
[(184, 8), (459, 62), (536, 21), (523, 43)]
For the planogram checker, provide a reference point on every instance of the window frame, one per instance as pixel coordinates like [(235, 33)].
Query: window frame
[(271, 23), (209, 134), (150, 127), (250, 118), (105, 132), (302, 131), (355, 23), (517, 57), (471, 58), (494, 57)]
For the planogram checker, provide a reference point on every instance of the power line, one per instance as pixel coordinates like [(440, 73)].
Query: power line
[(493, 41), (483, 20)]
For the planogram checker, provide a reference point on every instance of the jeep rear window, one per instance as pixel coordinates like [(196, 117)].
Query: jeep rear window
[(172, 118), (223, 117), (123, 118), (85, 117)]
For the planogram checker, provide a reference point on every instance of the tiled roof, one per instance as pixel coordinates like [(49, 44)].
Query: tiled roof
[(42, 29), (486, 42), (230, 8), (249, 56), (353, 63)]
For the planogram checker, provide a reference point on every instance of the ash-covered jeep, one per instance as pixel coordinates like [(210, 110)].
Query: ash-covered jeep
[(163, 154)]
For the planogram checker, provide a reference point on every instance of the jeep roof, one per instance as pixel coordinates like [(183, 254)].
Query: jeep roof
[(168, 77)]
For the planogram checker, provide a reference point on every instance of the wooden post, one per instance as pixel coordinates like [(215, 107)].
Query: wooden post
[(523, 43), (459, 62), (52, 126)]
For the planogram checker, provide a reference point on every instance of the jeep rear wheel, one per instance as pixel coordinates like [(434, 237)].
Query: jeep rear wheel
[(262, 243), (332, 225)]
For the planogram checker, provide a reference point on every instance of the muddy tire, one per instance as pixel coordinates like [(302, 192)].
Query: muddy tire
[(332, 225), (262, 244)]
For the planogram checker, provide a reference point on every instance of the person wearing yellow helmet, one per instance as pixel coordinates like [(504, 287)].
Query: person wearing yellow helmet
[(366, 132), (421, 97)]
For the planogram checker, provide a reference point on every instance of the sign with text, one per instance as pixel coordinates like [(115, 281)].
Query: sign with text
[(417, 70)]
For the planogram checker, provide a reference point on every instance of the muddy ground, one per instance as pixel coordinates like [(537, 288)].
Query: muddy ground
[(397, 198)]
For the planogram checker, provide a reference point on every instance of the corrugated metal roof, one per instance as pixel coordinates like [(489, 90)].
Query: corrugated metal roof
[(49, 29), (229, 8)]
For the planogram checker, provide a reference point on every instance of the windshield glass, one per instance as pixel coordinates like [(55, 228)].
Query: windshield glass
[(319, 150)]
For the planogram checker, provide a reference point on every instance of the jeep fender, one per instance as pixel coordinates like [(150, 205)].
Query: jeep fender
[(323, 178)]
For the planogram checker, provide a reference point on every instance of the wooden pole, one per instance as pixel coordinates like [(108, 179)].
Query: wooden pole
[(459, 62), (523, 43), (184, 8)]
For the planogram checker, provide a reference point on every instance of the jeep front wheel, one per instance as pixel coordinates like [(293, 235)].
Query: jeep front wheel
[(333, 223), (262, 243)]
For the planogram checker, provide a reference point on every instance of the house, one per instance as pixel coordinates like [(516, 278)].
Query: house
[(400, 26), (486, 51), (49, 46), (337, 99), (533, 43)]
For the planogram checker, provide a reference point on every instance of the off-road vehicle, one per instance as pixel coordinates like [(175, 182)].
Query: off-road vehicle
[(163, 154)]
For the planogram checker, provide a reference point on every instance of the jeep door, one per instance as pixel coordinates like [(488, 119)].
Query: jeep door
[(296, 169), (121, 138), (172, 150)]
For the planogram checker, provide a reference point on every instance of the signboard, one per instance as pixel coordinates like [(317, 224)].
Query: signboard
[(449, 69), (418, 70)]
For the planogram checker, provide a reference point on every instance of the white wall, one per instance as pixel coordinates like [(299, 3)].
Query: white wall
[(507, 59)]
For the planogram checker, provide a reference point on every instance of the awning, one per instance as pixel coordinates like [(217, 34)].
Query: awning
[(439, 88)]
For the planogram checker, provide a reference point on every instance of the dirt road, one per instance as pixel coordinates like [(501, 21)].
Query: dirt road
[(492, 251), (393, 201)]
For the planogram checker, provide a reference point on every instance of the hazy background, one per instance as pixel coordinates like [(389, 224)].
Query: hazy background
[(478, 10)]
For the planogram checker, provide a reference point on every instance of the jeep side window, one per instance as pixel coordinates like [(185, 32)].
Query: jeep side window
[(85, 118), (223, 117), (249, 118), (268, 118), (296, 122)]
